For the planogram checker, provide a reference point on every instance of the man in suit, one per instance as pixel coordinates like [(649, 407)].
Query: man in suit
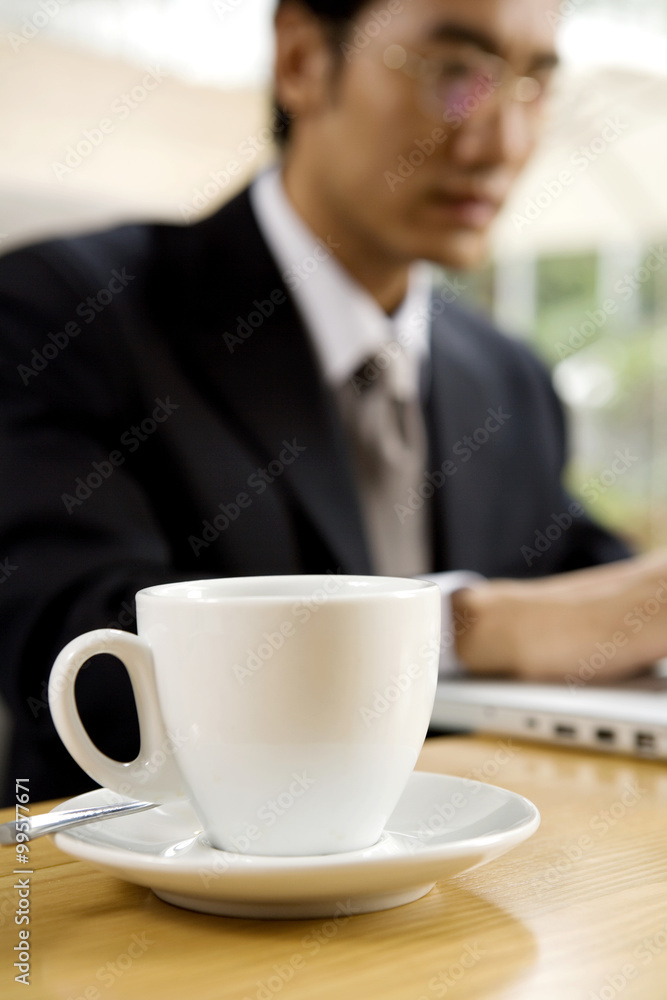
[(183, 402)]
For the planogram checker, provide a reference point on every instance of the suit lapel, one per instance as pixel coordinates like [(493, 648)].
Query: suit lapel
[(247, 344)]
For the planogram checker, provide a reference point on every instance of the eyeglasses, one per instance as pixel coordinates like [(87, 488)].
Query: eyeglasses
[(463, 79)]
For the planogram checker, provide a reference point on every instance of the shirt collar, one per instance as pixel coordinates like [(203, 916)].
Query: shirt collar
[(346, 324)]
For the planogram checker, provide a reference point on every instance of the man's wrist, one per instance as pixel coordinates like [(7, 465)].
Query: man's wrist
[(487, 642)]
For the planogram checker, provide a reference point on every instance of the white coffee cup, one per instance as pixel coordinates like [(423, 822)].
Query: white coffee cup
[(290, 710)]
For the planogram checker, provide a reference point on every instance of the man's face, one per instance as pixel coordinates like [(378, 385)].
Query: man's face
[(406, 163)]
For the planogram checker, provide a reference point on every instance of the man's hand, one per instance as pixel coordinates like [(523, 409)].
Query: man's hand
[(549, 628)]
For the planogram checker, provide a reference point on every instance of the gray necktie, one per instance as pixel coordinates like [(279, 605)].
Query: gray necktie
[(383, 419)]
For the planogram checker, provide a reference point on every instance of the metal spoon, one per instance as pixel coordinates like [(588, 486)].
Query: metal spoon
[(38, 826)]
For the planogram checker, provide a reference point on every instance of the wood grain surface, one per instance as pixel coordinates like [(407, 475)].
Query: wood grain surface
[(578, 912)]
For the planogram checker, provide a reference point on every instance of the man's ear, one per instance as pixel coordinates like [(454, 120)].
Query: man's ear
[(304, 60)]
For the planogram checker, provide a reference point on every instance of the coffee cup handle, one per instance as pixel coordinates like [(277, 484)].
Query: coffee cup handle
[(153, 775)]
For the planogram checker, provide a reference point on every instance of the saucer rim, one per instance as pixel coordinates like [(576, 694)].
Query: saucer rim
[(267, 887), (257, 865)]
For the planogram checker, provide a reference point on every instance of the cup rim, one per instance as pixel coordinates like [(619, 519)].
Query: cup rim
[(308, 587)]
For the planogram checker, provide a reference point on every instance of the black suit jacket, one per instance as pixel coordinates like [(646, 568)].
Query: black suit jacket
[(141, 445)]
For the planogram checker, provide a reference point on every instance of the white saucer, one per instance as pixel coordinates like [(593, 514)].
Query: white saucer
[(441, 827)]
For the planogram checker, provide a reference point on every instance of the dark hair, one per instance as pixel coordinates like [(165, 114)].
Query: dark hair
[(336, 14), (335, 10)]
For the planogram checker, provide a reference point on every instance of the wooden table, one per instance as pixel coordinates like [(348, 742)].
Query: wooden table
[(578, 912)]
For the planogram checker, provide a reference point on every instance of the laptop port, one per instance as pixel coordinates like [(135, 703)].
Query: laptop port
[(645, 741), (606, 735), (566, 731)]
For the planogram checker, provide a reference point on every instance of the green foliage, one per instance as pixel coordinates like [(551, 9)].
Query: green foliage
[(613, 379)]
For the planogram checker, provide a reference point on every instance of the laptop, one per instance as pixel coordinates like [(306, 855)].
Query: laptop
[(628, 718)]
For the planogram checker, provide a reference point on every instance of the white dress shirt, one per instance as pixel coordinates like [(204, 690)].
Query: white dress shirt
[(345, 322), (347, 326)]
